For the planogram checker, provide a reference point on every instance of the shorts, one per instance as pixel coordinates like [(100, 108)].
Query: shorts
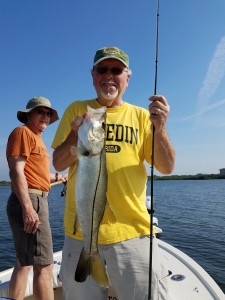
[(31, 248), (127, 265)]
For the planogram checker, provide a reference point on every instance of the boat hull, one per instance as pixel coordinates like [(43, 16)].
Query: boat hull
[(185, 280)]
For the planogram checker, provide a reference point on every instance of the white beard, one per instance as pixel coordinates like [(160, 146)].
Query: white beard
[(108, 96)]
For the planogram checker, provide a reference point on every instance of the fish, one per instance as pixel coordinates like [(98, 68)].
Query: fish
[(90, 192)]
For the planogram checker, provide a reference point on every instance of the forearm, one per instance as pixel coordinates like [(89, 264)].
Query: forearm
[(62, 157), (164, 153), (20, 188)]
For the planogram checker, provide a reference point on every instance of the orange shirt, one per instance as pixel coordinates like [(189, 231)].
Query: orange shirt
[(24, 142)]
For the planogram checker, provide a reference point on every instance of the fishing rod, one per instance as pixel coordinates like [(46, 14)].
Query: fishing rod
[(152, 166)]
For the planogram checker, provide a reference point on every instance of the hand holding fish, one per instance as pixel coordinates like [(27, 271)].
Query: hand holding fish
[(77, 122)]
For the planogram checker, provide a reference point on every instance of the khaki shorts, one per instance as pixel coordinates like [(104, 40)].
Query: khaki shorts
[(31, 248), (128, 271)]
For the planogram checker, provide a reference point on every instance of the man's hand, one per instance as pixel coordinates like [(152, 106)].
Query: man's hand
[(159, 110), (31, 220)]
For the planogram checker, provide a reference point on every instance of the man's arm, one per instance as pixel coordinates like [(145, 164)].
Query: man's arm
[(164, 153), (62, 156), (20, 188)]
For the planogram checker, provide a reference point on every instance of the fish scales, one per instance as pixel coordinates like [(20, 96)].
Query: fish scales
[(91, 196), (91, 186)]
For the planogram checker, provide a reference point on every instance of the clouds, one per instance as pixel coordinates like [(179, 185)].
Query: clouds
[(205, 109), (213, 76), (211, 83)]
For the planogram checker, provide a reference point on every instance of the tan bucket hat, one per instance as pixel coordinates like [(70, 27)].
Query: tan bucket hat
[(36, 102)]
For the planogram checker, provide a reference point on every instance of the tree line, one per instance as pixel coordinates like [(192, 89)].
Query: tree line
[(167, 177), (189, 177)]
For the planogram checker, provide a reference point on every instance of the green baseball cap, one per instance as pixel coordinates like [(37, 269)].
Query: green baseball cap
[(111, 52), (36, 102)]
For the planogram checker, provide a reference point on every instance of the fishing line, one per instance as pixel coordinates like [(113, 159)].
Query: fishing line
[(152, 166)]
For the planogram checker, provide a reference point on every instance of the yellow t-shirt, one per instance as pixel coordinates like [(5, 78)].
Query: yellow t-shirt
[(128, 145)]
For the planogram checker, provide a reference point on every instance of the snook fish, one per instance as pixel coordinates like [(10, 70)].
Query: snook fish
[(91, 185)]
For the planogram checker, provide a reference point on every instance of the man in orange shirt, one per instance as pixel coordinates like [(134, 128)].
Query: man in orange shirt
[(27, 208)]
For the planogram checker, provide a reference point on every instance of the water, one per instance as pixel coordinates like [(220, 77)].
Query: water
[(191, 214)]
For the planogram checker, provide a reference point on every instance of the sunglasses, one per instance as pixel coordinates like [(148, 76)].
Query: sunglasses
[(114, 71), (43, 113)]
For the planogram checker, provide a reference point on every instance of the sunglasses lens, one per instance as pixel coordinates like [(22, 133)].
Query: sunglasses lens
[(116, 71), (103, 70), (42, 113)]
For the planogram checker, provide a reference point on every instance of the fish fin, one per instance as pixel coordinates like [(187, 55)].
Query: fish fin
[(98, 271), (73, 150), (83, 267), (108, 216), (75, 225)]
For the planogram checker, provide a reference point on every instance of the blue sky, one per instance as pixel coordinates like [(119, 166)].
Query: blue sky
[(47, 48)]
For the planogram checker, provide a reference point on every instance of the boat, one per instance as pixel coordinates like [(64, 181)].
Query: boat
[(155, 222), (186, 279)]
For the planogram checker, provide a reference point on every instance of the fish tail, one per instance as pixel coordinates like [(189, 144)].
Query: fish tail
[(98, 271), (83, 267), (91, 266)]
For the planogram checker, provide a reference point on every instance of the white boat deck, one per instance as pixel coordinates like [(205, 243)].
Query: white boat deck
[(187, 281), (191, 280)]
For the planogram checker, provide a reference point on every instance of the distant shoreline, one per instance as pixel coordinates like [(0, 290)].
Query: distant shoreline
[(168, 177), (189, 177), (5, 183)]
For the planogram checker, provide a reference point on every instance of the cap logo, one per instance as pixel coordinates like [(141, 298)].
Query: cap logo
[(111, 50)]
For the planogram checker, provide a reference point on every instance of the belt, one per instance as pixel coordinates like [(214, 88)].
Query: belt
[(38, 192)]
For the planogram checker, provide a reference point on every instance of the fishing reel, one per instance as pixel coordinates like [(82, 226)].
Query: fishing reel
[(63, 192)]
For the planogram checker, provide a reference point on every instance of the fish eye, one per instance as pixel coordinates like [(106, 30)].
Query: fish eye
[(86, 153)]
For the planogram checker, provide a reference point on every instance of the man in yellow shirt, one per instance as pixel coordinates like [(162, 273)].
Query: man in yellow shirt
[(124, 230)]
